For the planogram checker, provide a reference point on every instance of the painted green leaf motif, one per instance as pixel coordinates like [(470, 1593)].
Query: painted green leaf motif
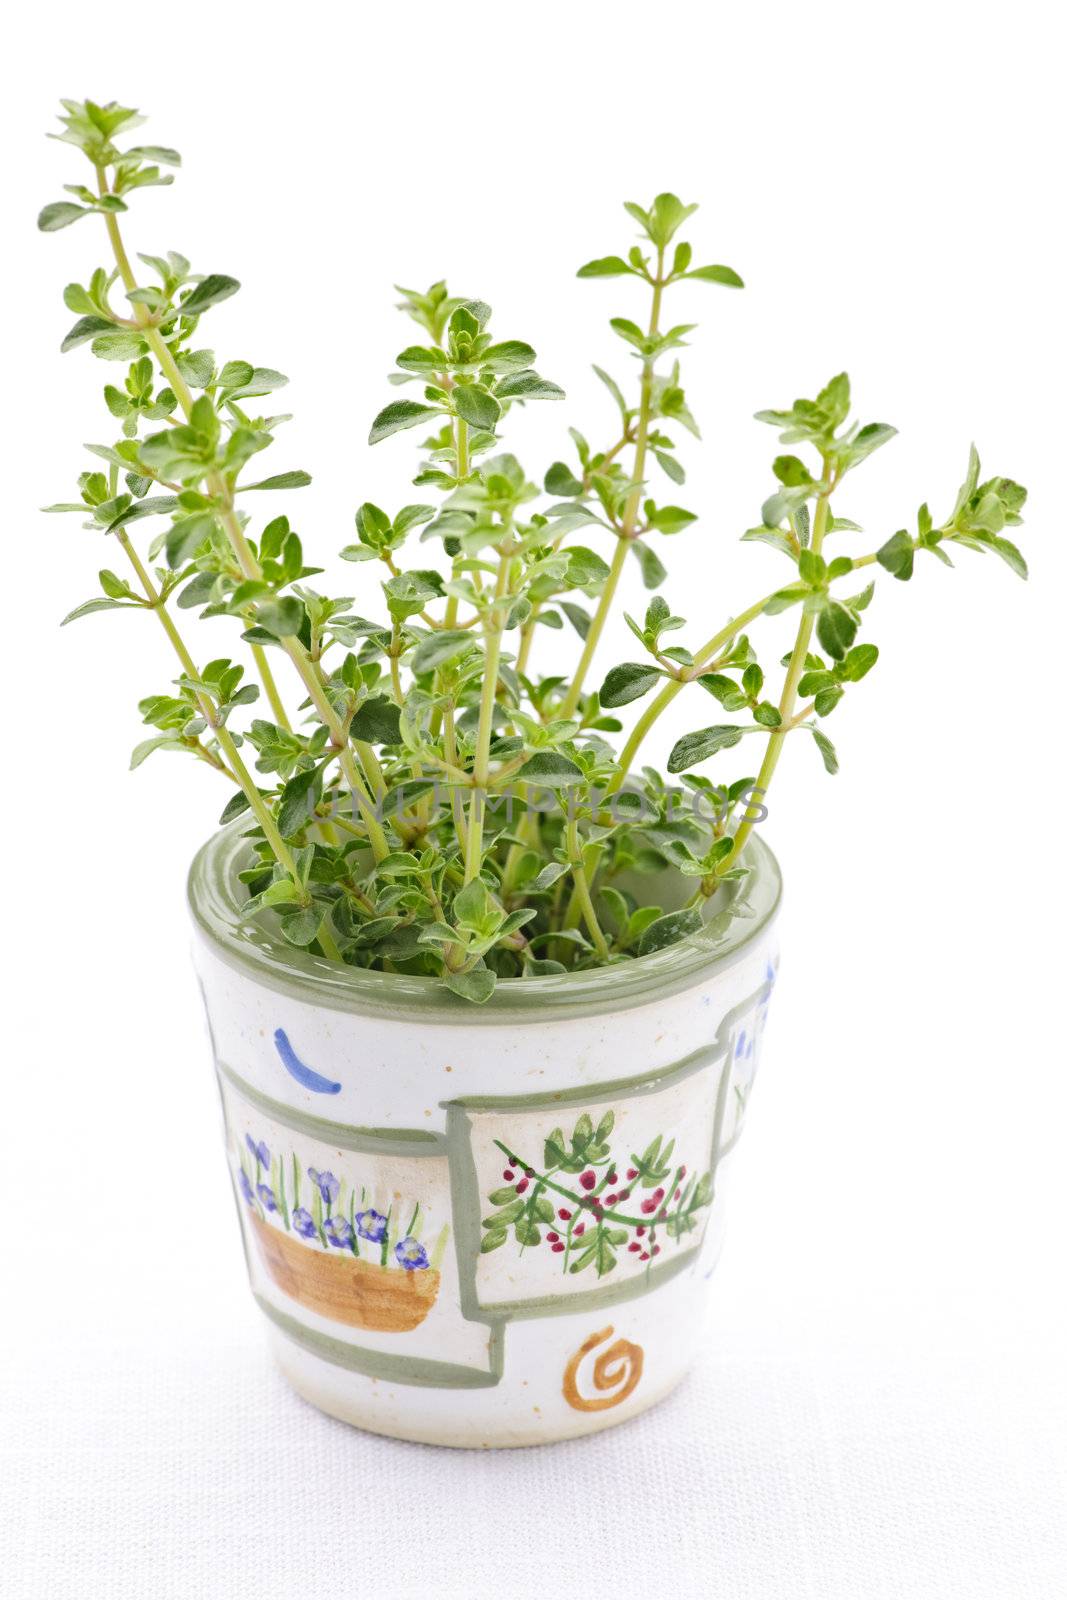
[(586, 1205)]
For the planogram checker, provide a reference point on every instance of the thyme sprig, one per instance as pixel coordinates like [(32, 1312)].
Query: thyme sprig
[(419, 796)]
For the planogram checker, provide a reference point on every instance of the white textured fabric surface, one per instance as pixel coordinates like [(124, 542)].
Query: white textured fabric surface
[(785, 1468)]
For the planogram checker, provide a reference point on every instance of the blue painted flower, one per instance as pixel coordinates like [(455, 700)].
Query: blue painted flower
[(328, 1186), (371, 1225), (245, 1186), (304, 1222), (266, 1194), (412, 1255), (739, 1047), (258, 1152), (337, 1231)]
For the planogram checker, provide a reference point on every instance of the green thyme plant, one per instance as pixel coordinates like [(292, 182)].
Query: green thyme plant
[(419, 797)]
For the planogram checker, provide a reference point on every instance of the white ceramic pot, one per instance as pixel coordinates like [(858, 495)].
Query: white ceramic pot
[(490, 1225)]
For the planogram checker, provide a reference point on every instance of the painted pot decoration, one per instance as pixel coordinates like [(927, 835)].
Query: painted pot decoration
[(490, 1225)]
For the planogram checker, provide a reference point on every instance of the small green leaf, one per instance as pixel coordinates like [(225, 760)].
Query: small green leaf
[(298, 800), (552, 769), (476, 405), (282, 618), (826, 750), (612, 388), (440, 647), (87, 608), (185, 537), (653, 572), (60, 215), (836, 628), (281, 480), (723, 275), (512, 355), (377, 722), (897, 555), (401, 414), (208, 292), (477, 986), (560, 480), (605, 267), (1009, 553), (84, 329), (162, 741), (668, 929), (692, 748), (154, 152), (628, 682), (585, 568), (528, 386), (858, 662)]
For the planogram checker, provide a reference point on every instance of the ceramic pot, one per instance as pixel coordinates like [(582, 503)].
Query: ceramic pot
[(482, 1225)]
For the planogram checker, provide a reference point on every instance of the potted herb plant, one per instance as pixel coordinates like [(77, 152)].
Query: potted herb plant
[(485, 988)]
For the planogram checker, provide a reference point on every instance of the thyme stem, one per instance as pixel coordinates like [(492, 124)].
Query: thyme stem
[(629, 520)]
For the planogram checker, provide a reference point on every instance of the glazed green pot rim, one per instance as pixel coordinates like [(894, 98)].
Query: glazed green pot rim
[(216, 896)]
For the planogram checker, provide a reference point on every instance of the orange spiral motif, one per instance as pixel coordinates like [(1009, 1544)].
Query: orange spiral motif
[(617, 1368)]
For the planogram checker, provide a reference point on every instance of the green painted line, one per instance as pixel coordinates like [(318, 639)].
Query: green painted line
[(255, 949), (415, 1370), (368, 1141), (467, 1206), (455, 1144), (466, 1210), (641, 1083), (608, 1294)]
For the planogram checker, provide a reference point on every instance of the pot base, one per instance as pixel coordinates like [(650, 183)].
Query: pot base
[(473, 1419)]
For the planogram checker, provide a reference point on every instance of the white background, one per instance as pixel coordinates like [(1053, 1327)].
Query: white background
[(881, 1408)]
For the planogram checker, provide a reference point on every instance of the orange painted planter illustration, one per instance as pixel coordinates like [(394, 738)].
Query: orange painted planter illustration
[(346, 1288)]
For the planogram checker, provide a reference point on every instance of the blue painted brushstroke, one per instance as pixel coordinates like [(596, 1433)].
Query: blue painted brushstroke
[(296, 1068)]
